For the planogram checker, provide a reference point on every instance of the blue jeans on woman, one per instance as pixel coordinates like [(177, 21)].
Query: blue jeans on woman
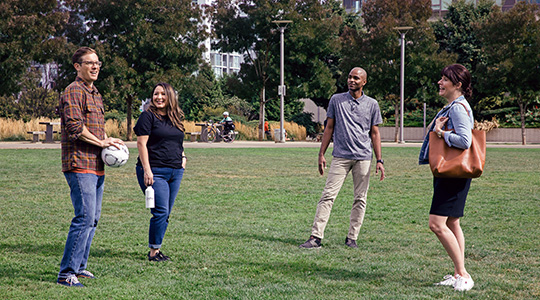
[(166, 185), (86, 196)]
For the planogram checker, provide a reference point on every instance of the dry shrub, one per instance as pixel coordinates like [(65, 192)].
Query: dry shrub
[(119, 130), (486, 125), (293, 130), (246, 132), (17, 129), (190, 126)]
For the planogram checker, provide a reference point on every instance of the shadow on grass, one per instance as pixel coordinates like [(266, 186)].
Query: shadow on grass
[(249, 236), (309, 269), (33, 248)]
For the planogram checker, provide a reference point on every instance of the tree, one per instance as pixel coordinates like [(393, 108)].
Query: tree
[(376, 49), (141, 42), (311, 42), (32, 102), (28, 32), (456, 33), (512, 68)]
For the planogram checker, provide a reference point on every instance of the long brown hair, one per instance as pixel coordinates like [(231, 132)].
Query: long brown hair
[(175, 113)]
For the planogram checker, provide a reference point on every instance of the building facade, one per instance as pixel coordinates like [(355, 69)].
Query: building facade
[(439, 7), (222, 63)]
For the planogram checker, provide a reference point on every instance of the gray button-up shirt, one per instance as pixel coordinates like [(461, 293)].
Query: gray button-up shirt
[(353, 119)]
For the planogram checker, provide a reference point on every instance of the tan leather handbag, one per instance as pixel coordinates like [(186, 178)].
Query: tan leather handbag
[(451, 162)]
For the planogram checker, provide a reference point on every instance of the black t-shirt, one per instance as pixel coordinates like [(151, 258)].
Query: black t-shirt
[(165, 142)]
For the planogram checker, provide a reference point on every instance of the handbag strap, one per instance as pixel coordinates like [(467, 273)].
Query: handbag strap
[(446, 124)]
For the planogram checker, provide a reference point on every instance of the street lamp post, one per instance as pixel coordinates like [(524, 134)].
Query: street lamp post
[(402, 31), (282, 24)]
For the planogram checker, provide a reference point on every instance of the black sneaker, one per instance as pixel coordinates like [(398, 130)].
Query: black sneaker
[(311, 243), (70, 280), (351, 243), (158, 257)]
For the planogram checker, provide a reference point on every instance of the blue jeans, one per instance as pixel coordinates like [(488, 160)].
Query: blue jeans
[(166, 185), (86, 196)]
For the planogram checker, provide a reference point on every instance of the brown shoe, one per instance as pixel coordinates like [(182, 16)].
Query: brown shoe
[(311, 243), (351, 243)]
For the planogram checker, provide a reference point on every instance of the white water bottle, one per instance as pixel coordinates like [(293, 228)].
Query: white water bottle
[(149, 194)]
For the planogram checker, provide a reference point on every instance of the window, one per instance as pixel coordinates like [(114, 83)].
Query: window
[(218, 71), (215, 59), (234, 62)]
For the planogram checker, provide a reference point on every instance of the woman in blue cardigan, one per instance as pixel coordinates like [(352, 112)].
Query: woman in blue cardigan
[(453, 124)]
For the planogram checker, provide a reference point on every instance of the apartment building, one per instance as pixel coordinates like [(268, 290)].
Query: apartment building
[(222, 63), (439, 7)]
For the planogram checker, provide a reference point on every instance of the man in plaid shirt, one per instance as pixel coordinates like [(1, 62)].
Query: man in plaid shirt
[(83, 137)]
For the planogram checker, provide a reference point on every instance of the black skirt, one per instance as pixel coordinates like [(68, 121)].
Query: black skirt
[(449, 196)]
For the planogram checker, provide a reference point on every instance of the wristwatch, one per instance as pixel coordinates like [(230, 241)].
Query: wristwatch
[(380, 161), (439, 133)]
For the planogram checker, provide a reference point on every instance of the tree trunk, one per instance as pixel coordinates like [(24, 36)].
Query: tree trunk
[(261, 113), (522, 110), (129, 103)]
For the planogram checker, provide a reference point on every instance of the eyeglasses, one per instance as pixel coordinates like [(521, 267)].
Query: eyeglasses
[(91, 63)]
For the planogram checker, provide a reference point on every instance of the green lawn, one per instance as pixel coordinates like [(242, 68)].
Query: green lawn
[(240, 216)]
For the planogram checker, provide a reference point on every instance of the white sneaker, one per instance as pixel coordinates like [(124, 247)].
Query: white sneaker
[(463, 284), (448, 280)]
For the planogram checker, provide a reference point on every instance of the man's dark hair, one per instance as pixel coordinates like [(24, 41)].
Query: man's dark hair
[(76, 58)]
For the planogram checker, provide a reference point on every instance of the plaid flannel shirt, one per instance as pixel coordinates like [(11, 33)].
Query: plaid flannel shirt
[(81, 106)]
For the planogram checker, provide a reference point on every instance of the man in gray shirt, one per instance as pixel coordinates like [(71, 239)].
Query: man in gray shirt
[(353, 120)]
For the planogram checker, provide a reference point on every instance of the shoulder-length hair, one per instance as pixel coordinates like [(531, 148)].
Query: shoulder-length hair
[(458, 73), (174, 112)]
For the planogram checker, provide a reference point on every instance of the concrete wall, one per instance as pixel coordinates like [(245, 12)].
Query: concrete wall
[(319, 114), (499, 135)]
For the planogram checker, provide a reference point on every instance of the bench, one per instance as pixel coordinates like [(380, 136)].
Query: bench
[(193, 136), (35, 135)]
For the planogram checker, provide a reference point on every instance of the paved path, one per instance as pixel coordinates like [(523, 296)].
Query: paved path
[(241, 144)]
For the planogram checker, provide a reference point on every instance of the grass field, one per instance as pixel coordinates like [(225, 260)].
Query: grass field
[(240, 216)]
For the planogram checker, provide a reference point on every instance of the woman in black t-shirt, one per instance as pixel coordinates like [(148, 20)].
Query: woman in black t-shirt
[(161, 162)]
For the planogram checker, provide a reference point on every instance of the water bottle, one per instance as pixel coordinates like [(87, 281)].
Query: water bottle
[(149, 194)]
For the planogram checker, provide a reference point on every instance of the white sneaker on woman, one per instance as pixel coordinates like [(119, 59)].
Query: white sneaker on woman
[(448, 280), (463, 284)]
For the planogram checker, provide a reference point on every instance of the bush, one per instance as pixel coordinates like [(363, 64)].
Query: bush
[(30, 104), (305, 119)]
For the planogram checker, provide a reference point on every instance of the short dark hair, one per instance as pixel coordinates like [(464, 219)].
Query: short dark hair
[(458, 73), (76, 58)]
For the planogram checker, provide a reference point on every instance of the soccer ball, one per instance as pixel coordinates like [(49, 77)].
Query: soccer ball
[(114, 157)]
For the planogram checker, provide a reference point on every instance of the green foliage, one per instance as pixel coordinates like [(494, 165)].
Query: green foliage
[(32, 102), (510, 43), (305, 119), (115, 115), (141, 44), (456, 33), (311, 50), (376, 48), (29, 31)]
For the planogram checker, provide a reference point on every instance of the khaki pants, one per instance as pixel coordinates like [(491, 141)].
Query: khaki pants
[(339, 169)]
